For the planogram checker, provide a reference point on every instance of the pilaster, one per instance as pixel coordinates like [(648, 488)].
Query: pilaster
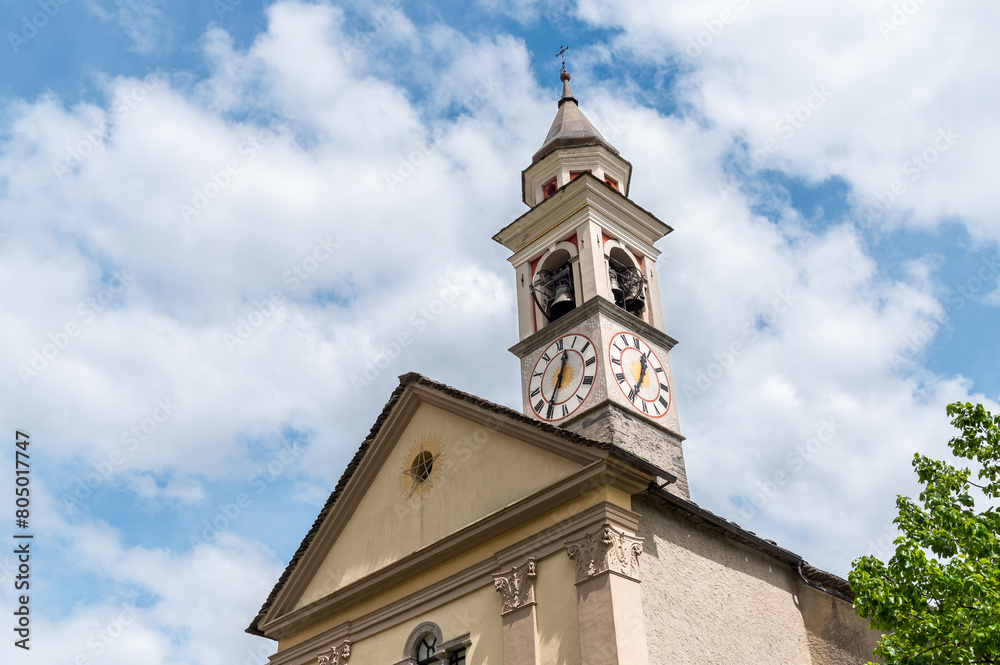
[(609, 605), (520, 620), (593, 266), (335, 655)]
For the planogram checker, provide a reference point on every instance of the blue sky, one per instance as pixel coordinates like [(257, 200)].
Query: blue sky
[(375, 149)]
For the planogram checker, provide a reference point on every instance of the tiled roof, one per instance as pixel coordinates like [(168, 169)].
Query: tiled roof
[(570, 127)]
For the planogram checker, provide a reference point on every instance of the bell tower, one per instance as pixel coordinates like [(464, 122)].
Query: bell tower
[(594, 355)]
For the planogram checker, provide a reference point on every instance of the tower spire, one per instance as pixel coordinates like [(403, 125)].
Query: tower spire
[(570, 127)]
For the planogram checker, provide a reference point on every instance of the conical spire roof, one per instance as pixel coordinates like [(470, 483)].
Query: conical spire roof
[(570, 126)]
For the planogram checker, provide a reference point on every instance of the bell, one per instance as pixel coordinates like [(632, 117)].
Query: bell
[(616, 290), (636, 305), (562, 301)]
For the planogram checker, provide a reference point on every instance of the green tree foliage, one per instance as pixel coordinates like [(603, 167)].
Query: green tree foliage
[(938, 597)]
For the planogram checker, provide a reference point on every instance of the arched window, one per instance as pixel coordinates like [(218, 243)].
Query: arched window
[(426, 646), (425, 650), (628, 285), (553, 286)]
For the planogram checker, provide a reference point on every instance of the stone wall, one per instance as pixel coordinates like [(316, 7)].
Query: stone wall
[(612, 424)]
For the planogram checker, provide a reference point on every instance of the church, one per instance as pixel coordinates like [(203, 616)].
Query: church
[(464, 532)]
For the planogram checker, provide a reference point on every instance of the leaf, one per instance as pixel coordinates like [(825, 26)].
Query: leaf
[(938, 596)]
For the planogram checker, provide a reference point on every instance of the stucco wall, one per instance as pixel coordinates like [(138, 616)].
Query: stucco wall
[(707, 599), (477, 613), (479, 472), (837, 636), (558, 625)]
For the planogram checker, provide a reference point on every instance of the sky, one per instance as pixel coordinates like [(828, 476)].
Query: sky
[(219, 219)]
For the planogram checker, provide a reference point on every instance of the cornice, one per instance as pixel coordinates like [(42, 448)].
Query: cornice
[(588, 190), (521, 430), (478, 533), (582, 153), (596, 305), (542, 544), (335, 522), (382, 446)]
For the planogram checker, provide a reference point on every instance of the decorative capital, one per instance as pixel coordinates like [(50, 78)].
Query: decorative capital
[(338, 655), (606, 550), (517, 588)]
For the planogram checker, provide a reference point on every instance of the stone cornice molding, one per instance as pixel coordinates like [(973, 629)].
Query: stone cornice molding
[(336, 655), (596, 305), (550, 540), (606, 551), (514, 515), (517, 587)]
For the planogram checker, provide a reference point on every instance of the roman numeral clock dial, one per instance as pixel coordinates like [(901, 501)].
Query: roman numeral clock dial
[(563, 377), (639, 373)]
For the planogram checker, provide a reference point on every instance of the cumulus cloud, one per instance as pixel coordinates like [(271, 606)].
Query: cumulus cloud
[(206, 273), (153, 605), (801, 359), (894, 79)]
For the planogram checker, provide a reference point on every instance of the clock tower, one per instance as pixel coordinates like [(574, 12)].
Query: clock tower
[(594, 355)]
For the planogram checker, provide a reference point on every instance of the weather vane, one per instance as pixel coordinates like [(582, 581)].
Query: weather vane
[(562, 54)]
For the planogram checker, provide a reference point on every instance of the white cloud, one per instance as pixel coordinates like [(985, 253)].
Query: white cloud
[(746, 65), (141, 20), (815, 92), (340, 193)]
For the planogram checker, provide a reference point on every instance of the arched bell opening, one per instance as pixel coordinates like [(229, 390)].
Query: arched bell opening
[(554, 286), (628, 285)]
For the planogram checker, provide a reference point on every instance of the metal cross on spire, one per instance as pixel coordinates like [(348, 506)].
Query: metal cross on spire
[(562, 54)]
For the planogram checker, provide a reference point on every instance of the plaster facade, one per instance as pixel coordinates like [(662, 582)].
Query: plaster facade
[(697, 581), (474, 476)]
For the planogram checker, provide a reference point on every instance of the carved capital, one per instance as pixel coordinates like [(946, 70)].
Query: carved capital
[(337, 655), (517, 587), (606, 550)]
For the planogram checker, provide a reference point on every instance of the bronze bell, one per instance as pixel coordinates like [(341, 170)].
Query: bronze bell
[(562, 301), (636, 304), (616, 290)]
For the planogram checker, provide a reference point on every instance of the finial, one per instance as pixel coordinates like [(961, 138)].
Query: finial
[(567, 94), (562, 54)]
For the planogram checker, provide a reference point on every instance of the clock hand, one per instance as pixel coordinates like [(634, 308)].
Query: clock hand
[(562, 368), (642, 374)]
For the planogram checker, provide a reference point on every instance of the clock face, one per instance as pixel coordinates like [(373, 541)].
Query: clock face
[(639, 374), (563, 377)]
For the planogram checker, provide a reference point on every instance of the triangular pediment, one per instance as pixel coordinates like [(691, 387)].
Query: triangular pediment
[(438, 463)]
